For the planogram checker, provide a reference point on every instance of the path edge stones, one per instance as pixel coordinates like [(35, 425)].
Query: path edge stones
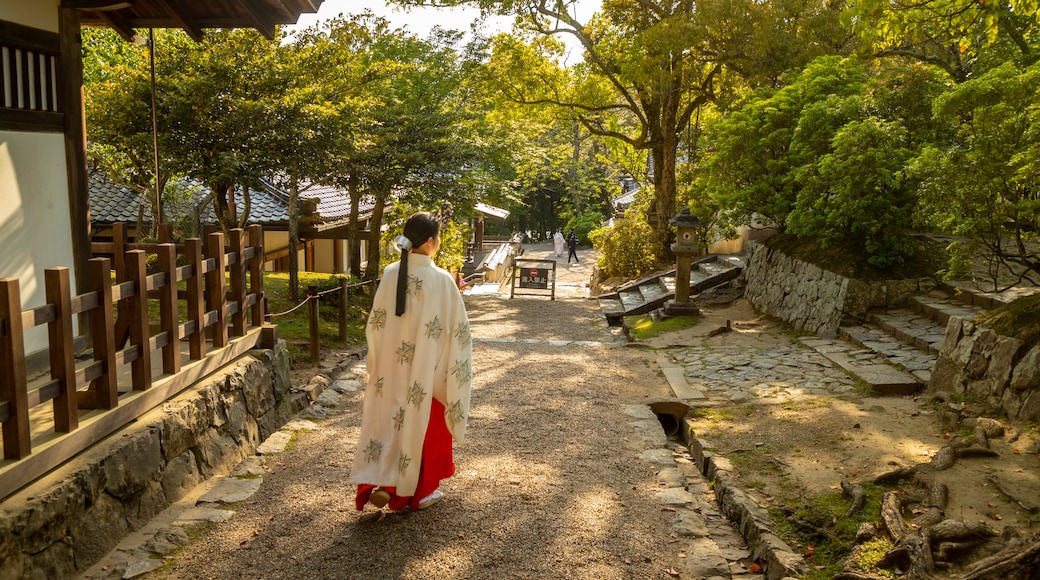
[(755, 524)]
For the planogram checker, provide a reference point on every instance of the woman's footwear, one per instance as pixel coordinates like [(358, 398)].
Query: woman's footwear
[(379, 498), (430, 499)]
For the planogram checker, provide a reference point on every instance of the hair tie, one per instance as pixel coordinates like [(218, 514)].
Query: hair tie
[(403, 244)]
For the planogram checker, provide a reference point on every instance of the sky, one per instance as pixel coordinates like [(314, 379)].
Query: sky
[(421, 20)]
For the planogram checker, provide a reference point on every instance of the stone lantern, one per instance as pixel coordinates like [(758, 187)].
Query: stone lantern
[(685, 248)]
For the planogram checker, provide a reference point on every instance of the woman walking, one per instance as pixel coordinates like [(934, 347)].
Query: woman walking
[(419, 370)]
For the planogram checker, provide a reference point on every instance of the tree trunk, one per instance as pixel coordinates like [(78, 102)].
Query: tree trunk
[(353, 235), (294, 240), (374, 246)]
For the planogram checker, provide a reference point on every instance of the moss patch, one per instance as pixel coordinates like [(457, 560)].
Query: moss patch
[(849, 260), (644, 327), (1019, 319)]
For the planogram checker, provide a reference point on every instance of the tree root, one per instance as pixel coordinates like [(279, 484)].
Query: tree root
[(1019, 560), (854, 491)]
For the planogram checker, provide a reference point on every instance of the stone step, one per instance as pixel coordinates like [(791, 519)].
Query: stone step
[(869, 366), (631, 298), (940, 307), (873, 343), (915, 329)]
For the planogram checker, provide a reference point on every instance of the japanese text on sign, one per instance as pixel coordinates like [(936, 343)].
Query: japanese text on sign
[(534, 278)]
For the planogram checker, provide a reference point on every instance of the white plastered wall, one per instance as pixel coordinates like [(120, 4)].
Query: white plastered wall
[(35, 227)]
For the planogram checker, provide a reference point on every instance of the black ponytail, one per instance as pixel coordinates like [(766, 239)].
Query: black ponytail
[(419, 228)]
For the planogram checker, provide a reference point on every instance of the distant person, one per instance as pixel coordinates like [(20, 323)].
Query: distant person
[(572, 247), (559, 244), (419, 370)]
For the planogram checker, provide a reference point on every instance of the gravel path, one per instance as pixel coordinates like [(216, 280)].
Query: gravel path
[(548, 483)]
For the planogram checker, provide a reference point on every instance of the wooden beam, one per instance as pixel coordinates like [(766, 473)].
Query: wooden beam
[(97, 5), (141, 367), (29, 38), (70, 91), (189, 26), (262, 22), (119, 24), (103, 324)]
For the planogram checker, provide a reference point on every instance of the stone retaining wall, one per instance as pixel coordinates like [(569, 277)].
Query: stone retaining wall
[(72, 517), (978, 362), (812, 299)]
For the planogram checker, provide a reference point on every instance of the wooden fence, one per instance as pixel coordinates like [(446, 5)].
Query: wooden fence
[(224, 319)]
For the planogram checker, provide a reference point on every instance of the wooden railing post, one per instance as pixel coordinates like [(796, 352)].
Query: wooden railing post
[(196, 304), (344, 296), (238, 282), (119, 259), (256, 273), (312, 292), (141, 367), (62, 351), (105, 388), (168, 309), (216, 288), (13, 383)]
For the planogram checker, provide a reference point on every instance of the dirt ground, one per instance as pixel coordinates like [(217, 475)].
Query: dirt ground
[(806, 447)]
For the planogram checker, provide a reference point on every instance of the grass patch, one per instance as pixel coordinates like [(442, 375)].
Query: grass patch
[(643, 327), (294, 327), (826, 556)]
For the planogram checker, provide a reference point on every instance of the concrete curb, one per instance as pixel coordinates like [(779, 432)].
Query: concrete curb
[(777, 558)]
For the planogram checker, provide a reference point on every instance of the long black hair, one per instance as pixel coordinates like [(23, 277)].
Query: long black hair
[(420, 227)]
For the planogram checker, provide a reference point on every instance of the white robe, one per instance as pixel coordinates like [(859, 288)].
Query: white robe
[(559, 244), (426, 351)]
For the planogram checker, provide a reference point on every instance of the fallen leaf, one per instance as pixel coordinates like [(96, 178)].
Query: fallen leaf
[(991, 505), (462, 534), (1015, 451), (753, 567), (243, 542), (673, 572), (674, 535), (996, 516)]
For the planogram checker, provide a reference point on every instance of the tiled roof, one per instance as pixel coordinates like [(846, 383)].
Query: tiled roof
[(112, 202)]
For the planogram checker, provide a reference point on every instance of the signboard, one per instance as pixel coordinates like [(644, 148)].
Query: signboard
[(532, 274), (534, 278)]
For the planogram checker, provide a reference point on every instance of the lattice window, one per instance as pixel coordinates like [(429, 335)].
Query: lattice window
[(30, 79)]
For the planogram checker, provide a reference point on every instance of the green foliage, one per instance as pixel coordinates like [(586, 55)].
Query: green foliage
[(294, 326), (756, 150), (626, 249), (857, 191), (583, 224), (984, 185)]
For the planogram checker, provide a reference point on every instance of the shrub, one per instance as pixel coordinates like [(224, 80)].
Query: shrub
[(584, 224), (625, 249)]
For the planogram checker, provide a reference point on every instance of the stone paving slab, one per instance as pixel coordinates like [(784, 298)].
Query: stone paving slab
[(881, 377)]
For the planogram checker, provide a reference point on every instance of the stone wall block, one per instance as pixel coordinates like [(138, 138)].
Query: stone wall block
[(1027, 372), (1030, 410), (14, 560), (105, 525), (256, 387), (180, 476), (954, 331), (946, 376), (184, 419), (146, 505), (217, 453), (1003, 358), (58, 560), (134, 462), (900, 291)]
